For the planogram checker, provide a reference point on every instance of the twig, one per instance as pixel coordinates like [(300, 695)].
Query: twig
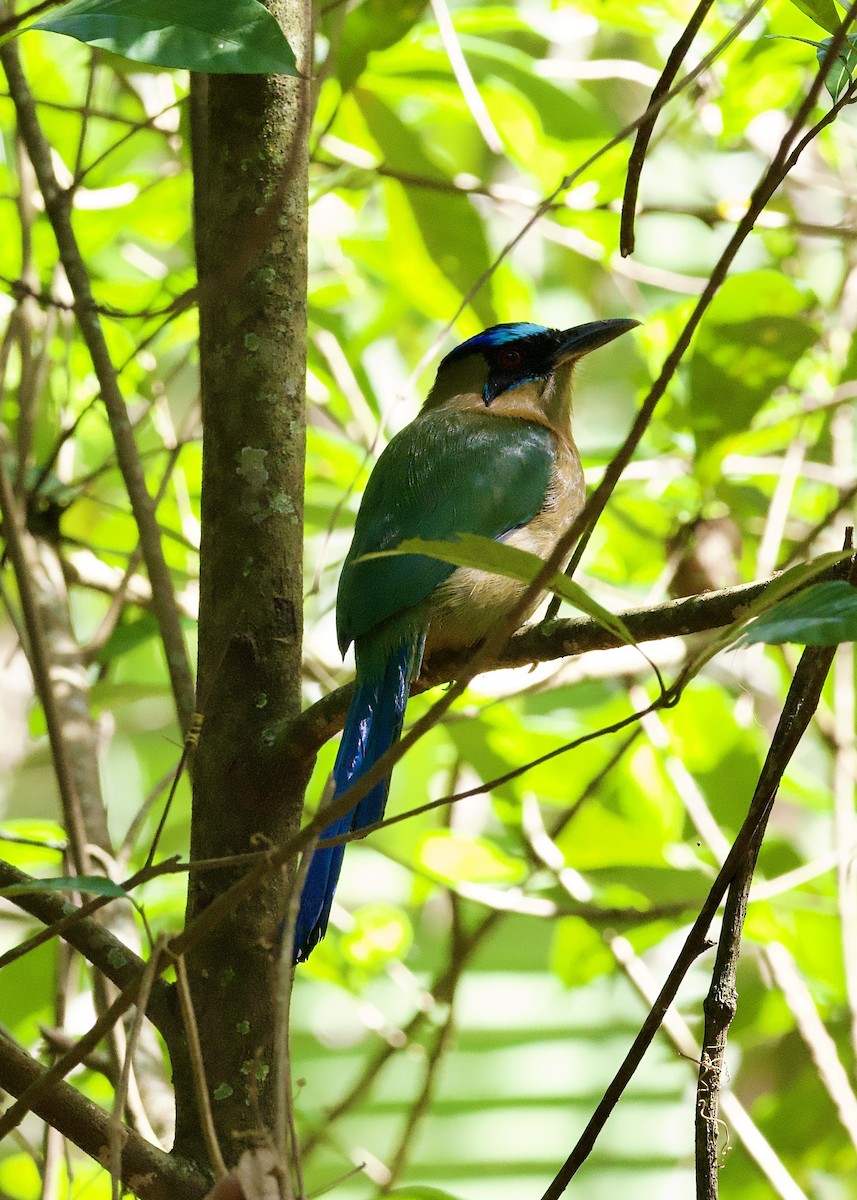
[(17, 545), (156, 1175), (678, 1032), (286, 1145), (797, 712), (781, 164), (464, 78), (673, 1026), (57, 209), (647, 125), (89, 937), (30, 1096), (569, 180), (720, 1007), (198, 1069), (117, 1127)]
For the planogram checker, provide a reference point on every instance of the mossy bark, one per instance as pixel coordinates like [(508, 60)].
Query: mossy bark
[(250, 172)]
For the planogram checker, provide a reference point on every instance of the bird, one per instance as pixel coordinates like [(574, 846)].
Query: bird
[(491, 452)]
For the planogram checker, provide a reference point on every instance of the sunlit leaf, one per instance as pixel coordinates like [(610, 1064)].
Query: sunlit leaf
[(458, 859), (823, 12), (373, 25), (380, 933), (579, 952), (215, 36)]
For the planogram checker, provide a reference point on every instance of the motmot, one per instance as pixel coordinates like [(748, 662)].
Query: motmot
[(490, 453)]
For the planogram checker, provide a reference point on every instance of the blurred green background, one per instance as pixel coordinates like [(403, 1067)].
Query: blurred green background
[(468, 1007)]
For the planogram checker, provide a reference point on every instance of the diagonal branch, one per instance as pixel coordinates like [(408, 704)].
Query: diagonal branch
[(58, 211), (721, 1001), (90, 938), (797, 712), (147, 1171), (550, 640)]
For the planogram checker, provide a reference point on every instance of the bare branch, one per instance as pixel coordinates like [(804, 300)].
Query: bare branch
[(147, 1171), (797, 712), (58, 211)]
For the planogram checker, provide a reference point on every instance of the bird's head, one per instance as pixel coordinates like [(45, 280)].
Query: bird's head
[(517, 365)]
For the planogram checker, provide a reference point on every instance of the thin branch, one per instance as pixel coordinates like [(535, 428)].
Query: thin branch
[(198, 1068), (89, 937), (466, 82), (544, 642), (286, 1144), (673, 1026), (150, 1172), (720, 1007), (58, 212), (19, 19), (29, 1098), (781, 164), (676, 1029), (647, 125), (21, 550), (797, 712), (117, 1128)]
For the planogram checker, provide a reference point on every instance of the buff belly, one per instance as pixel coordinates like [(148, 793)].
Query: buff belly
[(466, 606)]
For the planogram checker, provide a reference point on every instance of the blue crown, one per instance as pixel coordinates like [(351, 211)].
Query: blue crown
[(497, 335)]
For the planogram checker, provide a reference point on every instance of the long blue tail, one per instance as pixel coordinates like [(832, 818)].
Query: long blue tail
[(373, 724)]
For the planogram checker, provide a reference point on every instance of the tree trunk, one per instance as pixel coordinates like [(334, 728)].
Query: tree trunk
[(250, 173)]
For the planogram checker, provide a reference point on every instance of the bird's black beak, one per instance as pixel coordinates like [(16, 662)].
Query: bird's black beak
[(580, 340)]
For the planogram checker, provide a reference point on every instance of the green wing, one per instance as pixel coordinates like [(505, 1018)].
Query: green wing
[(444, 474)]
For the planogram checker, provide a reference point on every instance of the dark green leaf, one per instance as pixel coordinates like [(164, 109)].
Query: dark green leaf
[(66, 883), (374, 25), (821, 615), (215, 36), (754, 332), (127, 636), (839, 75)]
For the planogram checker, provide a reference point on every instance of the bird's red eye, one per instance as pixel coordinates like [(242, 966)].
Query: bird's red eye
[(510, 358)]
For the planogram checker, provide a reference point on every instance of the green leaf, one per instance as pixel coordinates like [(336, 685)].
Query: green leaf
[(215, 36), (824, 614), (373, 25), (782, 586), (839, 75), (823, 12), (484, 554), (380, 933), (754, 332), (66, 883), (579, 953), (452, 232), (844, 64), (456, 859), (127, 636)]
